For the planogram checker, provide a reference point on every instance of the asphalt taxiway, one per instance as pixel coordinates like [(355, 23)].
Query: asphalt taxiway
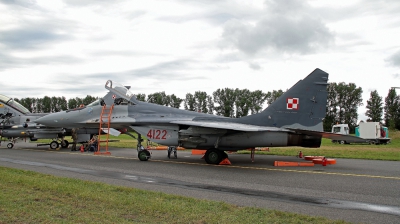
[(359, 191)]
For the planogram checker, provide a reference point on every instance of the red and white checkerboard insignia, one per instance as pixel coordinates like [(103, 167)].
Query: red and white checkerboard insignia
[(292, 103), (114, 96)]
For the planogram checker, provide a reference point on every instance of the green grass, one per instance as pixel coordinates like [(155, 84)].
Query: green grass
[(30, 197)]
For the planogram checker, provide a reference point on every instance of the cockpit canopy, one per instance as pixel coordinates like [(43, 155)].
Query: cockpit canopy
[(120, 95), (15, 105)]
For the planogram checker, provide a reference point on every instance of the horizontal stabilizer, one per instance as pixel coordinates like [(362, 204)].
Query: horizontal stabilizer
[(328, 135)]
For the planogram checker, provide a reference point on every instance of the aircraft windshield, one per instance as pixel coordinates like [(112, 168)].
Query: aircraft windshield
[(119, 90), (10, 102), (94, 103)]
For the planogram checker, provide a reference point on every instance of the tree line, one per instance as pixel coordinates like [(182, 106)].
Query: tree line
[(342, 104)]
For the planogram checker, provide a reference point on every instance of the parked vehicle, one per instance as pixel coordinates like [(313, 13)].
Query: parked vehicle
[(369, 132)]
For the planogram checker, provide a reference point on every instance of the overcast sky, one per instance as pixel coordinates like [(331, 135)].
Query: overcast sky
[(72, 47)]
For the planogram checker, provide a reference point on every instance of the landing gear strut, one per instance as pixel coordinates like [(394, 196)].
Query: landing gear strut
[(143, 154), (172, 150)]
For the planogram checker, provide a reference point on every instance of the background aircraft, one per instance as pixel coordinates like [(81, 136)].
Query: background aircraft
[(17, 122), (294, 119)]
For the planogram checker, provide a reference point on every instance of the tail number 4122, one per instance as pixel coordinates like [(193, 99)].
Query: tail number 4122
[(157, 134)]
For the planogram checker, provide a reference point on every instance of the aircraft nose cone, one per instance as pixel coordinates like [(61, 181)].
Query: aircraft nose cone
[(48, 120)]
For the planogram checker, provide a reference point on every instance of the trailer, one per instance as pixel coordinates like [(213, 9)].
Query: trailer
[(368, 132)]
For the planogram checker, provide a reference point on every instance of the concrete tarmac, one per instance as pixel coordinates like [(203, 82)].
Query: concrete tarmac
[(359, 191)]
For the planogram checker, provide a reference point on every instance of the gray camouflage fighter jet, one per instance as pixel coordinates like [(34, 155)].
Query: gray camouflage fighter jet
[(294, 119), (17, 123)]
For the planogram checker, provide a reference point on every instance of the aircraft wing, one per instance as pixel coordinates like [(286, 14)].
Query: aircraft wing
[(328, 135), (227, 125)]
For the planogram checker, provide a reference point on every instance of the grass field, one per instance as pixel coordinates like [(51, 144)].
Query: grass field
[(30, 197)]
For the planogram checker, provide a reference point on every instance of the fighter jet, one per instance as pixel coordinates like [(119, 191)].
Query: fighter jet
[(17, 122), (294, 119)]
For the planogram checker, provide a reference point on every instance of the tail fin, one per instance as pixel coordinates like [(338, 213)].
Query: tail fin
[(301, 107)]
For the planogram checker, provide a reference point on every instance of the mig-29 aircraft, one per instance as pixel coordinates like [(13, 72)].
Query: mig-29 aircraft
[(294, 119)]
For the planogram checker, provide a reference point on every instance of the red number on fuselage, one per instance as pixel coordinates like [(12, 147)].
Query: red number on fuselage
[(157, 134), (149, 135)]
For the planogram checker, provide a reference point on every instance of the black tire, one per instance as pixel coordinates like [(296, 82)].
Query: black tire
[(54, 144), (342, 142), (64, 144), (10, 145), (213, 156), (144, 155), (175, 154)]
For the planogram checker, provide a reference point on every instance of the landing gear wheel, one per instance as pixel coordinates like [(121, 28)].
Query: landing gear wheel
[(54, 144), (10, 145), (175, 154), (64, 144), (144, 155), (213, 156)]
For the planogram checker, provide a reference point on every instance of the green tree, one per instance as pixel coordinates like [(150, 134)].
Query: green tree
[(79, 102), (141, 97), (88, 100), (374, 107), (331, 107), (62, 102), (159, 98), (39, 105), (257, 99), (210, 104), (189, 102), (200, 102), (272, 96), (392, 104), (343, 102), (225, 98), (46, 105), (54, 105), (72, 103), (175, 101), (242, 102), (28, 102)]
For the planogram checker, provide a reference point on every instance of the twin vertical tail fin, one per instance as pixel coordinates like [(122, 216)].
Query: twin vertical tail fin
[(303, 106)]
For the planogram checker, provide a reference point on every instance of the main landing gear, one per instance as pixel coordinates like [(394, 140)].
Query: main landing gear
[(215, 156), (172, 151), (55, 144)]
